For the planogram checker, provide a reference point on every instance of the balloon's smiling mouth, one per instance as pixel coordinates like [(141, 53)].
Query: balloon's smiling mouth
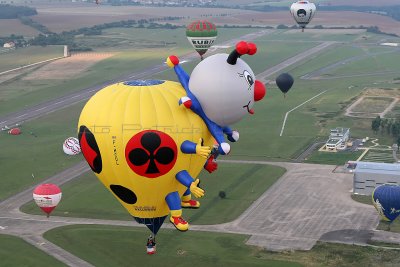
[(251, 111)]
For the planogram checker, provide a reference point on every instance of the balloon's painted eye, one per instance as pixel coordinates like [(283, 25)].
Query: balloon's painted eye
[(247, 76)]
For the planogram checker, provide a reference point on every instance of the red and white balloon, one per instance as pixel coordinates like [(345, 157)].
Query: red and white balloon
[(47, 197)]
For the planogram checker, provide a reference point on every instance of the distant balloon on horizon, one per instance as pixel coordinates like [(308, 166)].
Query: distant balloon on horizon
[(302, 12), (201, 34)]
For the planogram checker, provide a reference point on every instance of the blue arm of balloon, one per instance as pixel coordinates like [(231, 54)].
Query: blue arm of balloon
[(182, 76), (184, 178), (188, 147), (215, 130)]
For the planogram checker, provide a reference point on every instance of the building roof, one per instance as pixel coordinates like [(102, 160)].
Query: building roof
[(377, 167), (340, 130)]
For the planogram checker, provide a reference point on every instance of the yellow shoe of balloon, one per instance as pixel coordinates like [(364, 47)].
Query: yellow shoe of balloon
[(179, 223), (190, 204)]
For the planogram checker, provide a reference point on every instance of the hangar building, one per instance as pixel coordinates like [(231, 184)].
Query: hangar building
[(368, 175)]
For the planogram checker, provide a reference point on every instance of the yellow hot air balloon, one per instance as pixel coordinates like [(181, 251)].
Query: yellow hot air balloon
[(133, 135)]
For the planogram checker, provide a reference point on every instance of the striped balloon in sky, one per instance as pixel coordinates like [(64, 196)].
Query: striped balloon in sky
[(201, 34)]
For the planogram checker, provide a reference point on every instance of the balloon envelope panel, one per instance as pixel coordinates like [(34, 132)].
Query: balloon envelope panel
[(131, 133), (386, 199)]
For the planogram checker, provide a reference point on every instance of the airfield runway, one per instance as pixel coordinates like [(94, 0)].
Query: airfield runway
[(306, 204)]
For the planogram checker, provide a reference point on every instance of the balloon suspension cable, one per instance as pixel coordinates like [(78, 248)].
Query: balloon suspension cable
[(201, 57)]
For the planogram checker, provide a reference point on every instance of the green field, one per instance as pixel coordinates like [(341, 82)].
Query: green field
[(242, 183), (16, 252), (19, 93), (28, 55), (92, 243), (375, 63), (37, 151), (338, 158)]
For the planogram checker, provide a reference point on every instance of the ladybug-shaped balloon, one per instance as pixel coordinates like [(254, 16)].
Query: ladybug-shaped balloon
[(145, 148)]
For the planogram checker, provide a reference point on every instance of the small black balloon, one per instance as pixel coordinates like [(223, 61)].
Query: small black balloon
[(284, 81)]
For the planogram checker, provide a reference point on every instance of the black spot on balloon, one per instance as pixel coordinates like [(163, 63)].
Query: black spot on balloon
[(90, 149), (123, 193)]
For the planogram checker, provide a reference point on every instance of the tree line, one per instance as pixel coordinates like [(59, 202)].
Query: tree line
[(68, 37), (13, 12), (387, 126)]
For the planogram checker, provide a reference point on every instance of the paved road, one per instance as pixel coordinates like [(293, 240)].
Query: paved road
[(306, 203), (299, 57), (318, 74)]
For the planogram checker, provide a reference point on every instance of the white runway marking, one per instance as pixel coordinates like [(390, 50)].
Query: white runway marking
[(287, 113)]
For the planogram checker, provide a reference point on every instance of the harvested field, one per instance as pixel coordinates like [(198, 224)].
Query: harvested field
[(327, 19), (372, 105), (362, 3), (390, 92), (68, 18), (67, 67), (328, 31), (14, 26)]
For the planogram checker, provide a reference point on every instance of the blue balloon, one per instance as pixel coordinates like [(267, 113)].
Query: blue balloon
[(386, 199)]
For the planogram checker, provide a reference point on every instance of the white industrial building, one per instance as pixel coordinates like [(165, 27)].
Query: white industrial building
[(368, 175), (338, 138)]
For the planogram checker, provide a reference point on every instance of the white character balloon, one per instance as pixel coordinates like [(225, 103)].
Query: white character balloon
[(222, 89), (302, 12)]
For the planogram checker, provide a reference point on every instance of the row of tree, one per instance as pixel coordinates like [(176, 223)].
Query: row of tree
[(68, 37), (387, 126), (13, 12)]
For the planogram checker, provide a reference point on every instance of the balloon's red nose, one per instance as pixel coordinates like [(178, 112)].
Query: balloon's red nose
[(259, 90)]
